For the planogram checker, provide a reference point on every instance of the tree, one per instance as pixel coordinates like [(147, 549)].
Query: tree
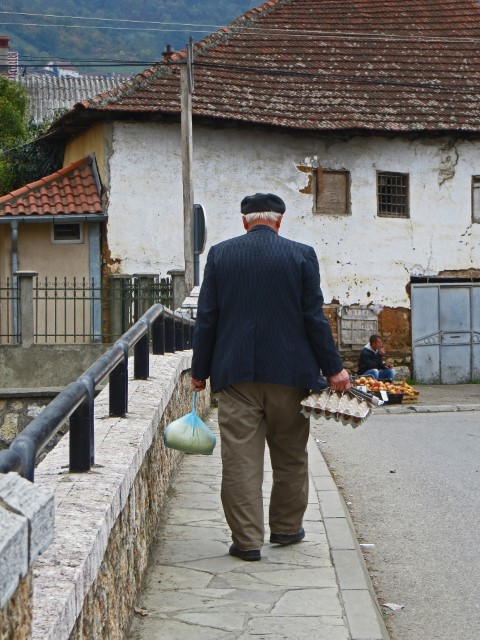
[(36, 158), (13, 129), (25, 156)]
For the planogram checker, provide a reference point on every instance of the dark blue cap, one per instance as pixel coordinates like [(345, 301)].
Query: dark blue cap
[(262, 202)]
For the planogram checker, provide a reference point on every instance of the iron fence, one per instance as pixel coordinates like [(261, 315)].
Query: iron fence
[(9, 311), (167, 332), (82, 310)]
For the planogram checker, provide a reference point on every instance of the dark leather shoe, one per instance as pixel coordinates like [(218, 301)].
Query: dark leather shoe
[(250, 556), (285, 538)]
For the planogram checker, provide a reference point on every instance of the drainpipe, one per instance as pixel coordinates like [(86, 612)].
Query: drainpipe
[(14, 227)]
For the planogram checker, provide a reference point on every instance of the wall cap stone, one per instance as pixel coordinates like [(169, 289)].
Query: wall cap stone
[(25, 498), (13, 552)]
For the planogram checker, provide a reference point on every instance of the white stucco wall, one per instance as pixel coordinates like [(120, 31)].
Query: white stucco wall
[(363, 258)]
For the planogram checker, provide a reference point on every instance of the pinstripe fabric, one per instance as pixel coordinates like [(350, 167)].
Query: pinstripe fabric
[(260, 316)]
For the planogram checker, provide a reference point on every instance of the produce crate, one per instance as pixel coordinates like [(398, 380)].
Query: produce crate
[(392, 398), (410, 399), (395, 398)]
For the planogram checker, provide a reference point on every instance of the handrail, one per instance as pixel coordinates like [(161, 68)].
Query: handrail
[(169, 331)]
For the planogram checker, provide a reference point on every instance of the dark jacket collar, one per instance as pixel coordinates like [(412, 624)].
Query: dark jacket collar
[(261, 227)]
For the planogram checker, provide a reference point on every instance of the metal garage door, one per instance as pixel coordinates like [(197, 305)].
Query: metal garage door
[(446, 332)]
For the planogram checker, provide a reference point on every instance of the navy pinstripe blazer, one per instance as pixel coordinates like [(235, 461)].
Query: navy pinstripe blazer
[(260, 315)]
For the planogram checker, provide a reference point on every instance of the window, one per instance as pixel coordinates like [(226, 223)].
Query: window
[(392, 194), (475, 198), (67, 233), (332, 192)]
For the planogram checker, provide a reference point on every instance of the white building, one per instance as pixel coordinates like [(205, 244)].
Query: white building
[(370, 134)]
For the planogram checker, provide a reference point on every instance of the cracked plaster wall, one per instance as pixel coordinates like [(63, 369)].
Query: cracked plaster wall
[(364, 259)]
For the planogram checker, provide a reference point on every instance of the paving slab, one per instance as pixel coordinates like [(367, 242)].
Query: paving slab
[(194, 589)]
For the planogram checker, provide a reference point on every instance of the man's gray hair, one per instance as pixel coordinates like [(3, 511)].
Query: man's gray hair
[(272, 216)]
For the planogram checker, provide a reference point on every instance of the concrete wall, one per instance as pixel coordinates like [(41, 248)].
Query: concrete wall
[(364, 259), (40, 366), (85, 584), (93, 141), (37, 252)]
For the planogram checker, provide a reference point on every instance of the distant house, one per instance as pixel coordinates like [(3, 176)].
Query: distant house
[(53, 227), (50, 94), (363, 117), (56, 87)]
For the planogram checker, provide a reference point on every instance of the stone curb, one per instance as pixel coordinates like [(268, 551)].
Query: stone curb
[(362, 611), (439, 408)]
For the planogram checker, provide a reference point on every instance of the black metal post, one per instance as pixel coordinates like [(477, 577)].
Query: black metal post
[(192, 329), (158, 336), (169, 335), (82, 432), (178, 334), (10, 461), (141, 360), (118, 387), (187, 335), (25, 448)]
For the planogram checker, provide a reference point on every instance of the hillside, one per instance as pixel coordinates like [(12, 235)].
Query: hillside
[(95, 39)]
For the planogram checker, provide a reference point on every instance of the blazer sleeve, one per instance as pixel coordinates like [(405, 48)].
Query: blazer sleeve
[(317, 326), (204, 334)]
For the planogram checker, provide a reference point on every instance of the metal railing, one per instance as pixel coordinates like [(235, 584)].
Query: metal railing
[(9, 298), (81, 310), (169, 333)]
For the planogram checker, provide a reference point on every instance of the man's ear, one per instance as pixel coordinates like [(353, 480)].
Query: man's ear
[(278, 222), (245, 223)]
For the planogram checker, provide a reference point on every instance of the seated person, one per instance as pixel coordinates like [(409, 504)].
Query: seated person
[(371, 361)]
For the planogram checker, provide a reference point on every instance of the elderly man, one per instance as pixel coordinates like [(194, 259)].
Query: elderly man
[(263, 340)]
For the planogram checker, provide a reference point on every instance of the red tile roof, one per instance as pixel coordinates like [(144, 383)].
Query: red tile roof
[(72, 190), (326, 65)]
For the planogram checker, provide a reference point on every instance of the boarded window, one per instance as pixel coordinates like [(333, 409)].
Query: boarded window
[(332, 192), (392, 194), (475, 198), (355, 326)]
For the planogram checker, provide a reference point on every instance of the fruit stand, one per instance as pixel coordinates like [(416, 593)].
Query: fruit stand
[(397, 392)]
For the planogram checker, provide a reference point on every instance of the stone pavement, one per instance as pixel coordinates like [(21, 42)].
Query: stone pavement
[(316, 590)]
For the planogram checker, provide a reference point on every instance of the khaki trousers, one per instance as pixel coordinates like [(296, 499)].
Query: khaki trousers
[(248, 414)]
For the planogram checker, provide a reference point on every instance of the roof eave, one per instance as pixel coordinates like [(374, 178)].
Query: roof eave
[(67, 217)]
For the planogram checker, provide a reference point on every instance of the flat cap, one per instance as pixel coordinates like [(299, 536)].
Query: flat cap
[(262, 202)]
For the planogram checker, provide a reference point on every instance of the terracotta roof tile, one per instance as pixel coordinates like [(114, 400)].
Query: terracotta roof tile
[(380, 65), (71, 190)]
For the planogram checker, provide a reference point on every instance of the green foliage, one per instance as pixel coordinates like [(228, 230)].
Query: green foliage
[(35, 158), (24, 155), (131, 44), (13, 103), (13, 130)]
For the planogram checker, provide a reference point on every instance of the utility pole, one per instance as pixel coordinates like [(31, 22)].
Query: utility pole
[(186, 90)]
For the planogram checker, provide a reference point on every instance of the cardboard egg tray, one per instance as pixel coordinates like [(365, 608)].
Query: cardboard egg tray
[(351, 408)]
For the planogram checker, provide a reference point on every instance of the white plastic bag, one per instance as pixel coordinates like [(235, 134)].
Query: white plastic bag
[(190, 434)]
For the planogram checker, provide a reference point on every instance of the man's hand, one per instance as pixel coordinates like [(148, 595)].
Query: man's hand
[(198, 385), (340, 381)]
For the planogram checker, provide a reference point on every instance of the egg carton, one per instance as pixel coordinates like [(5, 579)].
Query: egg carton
[(351, 407)]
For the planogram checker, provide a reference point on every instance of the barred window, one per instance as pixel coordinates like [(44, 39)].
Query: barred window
[(67, 233), (392, 194), (332, 192)]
